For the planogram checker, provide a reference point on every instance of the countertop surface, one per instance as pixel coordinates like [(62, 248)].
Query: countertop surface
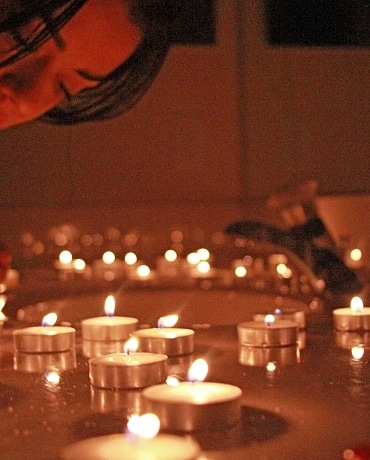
[(313, 409)]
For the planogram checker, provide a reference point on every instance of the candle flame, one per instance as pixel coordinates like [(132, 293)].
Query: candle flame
[(131, 345), (203, 253), (49, 320), (269, 319), (198, 370), (65, 257), (143, 271), (109, 257), (357, 304), (145, 426), (109, 306), (79, 265), (130, 258), (167, 321), (203, 267), (170, 255)]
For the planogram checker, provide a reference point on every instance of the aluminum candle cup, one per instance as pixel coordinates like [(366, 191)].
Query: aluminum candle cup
[(126, 371), (291, 314), (126, 447), (260, 356), (41, 362), (44, 339), (106, 334), (170, 341), (196, 406), (95, 348), (279, 333), (348, 319)]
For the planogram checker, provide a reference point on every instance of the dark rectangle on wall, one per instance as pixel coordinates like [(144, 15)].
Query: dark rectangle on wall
[(318, 22), (196, 24)]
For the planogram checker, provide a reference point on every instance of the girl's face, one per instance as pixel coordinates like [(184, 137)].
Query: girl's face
[(96, 40)]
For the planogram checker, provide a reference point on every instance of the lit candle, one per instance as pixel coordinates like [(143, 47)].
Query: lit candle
[(195, 405), (138, 444), (291, 314), (142, 272), (270, 332), (129, 369), (106, 334), (356, 317), (46, 338), (67, 264), (166, 339)]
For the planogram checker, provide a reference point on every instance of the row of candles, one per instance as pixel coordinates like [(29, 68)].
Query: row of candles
[(124, 357), (262, 272)]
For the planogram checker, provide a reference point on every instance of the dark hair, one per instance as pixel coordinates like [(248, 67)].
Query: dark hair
[(123, 87)]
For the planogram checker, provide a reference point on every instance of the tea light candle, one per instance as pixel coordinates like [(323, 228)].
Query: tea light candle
[(127, 447), (268, 333), (291, 314), (194, 405), (46, 338), (165, 339), (356, 317), (106, 334), (128, 370)]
